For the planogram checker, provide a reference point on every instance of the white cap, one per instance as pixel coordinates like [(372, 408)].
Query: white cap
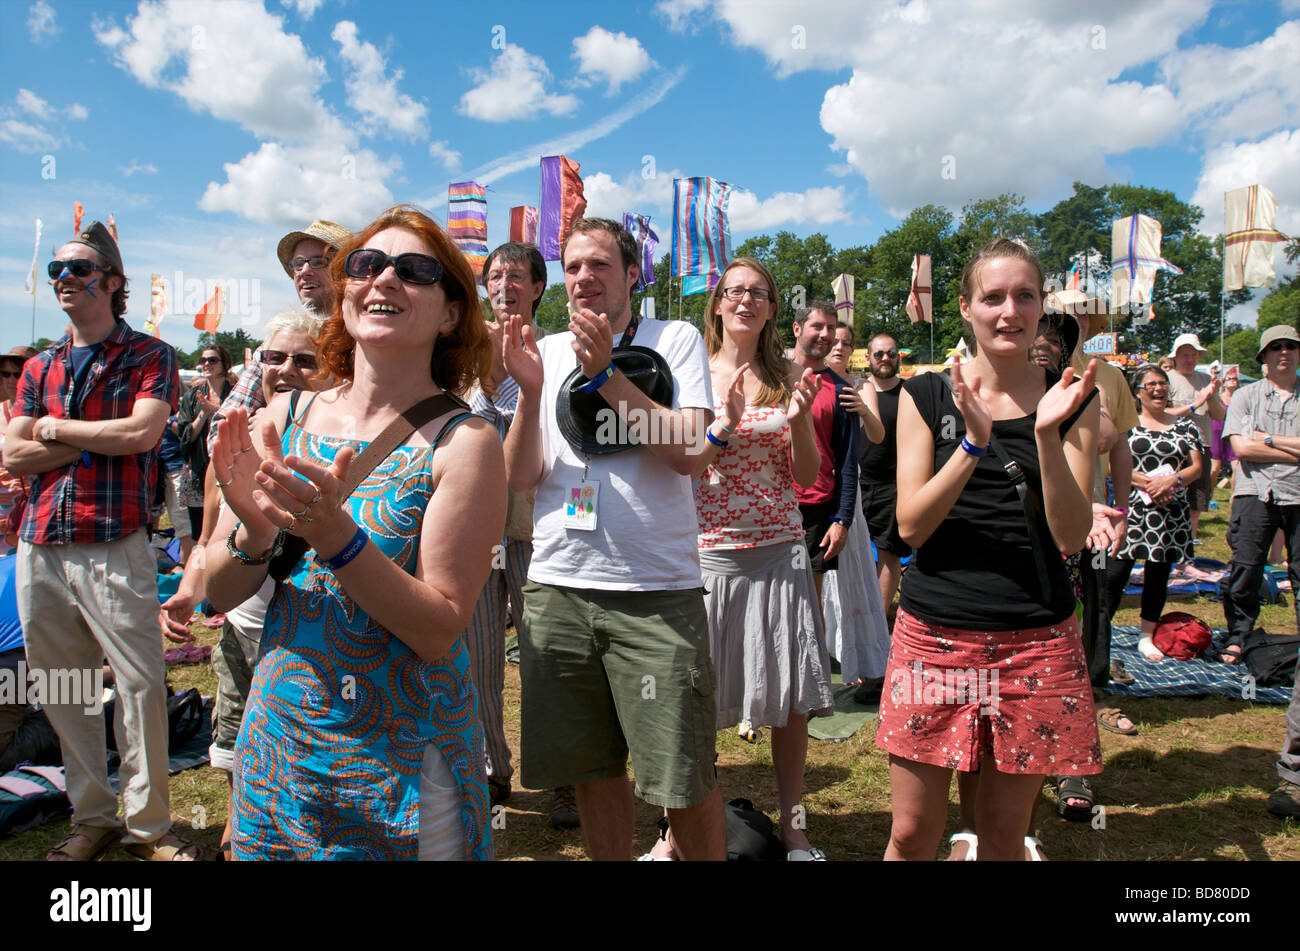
[(1186, 340)]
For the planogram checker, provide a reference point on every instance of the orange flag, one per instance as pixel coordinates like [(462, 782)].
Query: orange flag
[(76, 217), (112, 227), (209, 317)]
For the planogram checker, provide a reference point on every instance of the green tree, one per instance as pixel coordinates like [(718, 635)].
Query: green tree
[(1280, 307), (235, 343)]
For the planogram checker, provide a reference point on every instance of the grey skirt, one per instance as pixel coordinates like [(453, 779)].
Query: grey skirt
[(765, 634)]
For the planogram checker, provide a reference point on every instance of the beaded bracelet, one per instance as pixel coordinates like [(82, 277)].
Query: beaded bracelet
[(350, 551), (246, 559), (973, 449)]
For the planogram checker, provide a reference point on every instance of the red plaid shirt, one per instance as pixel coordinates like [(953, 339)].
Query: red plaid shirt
[(100, 498)]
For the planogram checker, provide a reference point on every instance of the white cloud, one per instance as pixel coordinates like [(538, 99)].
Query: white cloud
[(284, 185), (28, 101), (612, 58), (679, 13), (1271, 162), (40, 22), (440, 151), (1243, 92), (76, 111), (374, 94), (230, 58), (607, 198), (305, 8), (26, 137), (129, 170), (572, 141), (514, 87)]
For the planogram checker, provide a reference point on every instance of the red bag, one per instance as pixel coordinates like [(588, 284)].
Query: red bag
[(1182, 636)]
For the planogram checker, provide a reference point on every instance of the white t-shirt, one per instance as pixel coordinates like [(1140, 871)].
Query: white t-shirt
[(645, 520)]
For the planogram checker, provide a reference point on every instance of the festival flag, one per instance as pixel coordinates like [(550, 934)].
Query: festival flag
[(561, 205), (77, 211), (523, 224), (30, 284), (698, 283), (647, 308), (1250, 236), (1076, 275), (1134, 260), (467, 221), (701, 230), (920, 300), (646, 241), (843, 286), (157, 304), (209, 317), (112, 226)]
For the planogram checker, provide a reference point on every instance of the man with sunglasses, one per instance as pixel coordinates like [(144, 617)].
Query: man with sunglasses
[(877, 470), (1264, 426), (91, 412)]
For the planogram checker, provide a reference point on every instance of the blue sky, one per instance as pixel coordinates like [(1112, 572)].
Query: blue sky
[(209, 129)]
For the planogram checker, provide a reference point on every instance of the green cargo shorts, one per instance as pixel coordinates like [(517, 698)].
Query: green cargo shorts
[(608, 673)]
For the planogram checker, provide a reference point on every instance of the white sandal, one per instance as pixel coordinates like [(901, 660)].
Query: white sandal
[(1035, 847), (972, 841)]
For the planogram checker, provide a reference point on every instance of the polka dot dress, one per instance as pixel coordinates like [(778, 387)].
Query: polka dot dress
[(1157, 533)]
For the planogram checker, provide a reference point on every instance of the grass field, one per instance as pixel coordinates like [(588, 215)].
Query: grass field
[(1190, 785)]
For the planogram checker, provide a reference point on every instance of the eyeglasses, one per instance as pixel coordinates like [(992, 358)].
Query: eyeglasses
[(1152, 387), (77, 267), (315, 262), (303, 361), (882, 354), (1277, 346), (366, 263), (203, 360), (738, 293)]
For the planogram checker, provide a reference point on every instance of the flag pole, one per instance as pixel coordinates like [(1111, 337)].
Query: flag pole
[(1223, 255), (33, 315)]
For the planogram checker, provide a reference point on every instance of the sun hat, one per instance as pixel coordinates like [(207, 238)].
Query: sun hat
[(1184, 340), (579, 416), (334, 236), (1280, 332)]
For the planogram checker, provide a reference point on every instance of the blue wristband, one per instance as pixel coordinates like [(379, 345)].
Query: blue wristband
[(708, 434), (973, 449), (599, 380), (350, 551)]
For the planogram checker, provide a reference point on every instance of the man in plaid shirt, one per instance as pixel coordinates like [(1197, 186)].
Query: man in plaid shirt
[(91, 411)]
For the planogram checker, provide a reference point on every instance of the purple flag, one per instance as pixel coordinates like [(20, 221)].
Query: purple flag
[(646, 241)]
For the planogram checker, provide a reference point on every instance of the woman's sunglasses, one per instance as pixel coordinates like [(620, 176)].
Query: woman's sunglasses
[(77, 267), (366, 263), (303, 361)]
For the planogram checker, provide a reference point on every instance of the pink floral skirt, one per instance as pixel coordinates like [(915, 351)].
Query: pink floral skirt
[(953, 696)]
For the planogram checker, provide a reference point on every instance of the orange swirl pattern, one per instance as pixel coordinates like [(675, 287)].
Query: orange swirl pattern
[(340, 713)]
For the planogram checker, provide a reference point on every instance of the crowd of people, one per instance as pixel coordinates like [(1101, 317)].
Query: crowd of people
[(401, 470)]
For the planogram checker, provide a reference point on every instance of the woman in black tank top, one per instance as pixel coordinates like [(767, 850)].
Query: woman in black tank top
[(986, 666)]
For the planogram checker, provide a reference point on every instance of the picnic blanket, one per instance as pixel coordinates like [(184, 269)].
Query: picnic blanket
[(1185, 678), (848, 717), (1202, 576)]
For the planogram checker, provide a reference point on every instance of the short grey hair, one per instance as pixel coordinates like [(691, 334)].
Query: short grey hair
[(296, 320)]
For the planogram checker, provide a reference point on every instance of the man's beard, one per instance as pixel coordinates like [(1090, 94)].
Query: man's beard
[(883, 372)]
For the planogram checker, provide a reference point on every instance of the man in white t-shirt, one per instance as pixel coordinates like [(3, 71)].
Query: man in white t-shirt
[(614, 647)]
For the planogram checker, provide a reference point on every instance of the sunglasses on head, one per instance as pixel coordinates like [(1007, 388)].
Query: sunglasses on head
[(77, 267), (303, 361), (366, 263)]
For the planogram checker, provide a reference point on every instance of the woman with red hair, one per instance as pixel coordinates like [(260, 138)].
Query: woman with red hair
[(360, 738)]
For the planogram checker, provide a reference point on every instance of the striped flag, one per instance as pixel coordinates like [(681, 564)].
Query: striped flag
[(77, 212), (646, 241), (920, 300), (209, 316), (30, 284), (699, 283), (523, 224), (467, 221), (157, 304), (1249, 239), (843, 287), (1134, 260), (701, 231), (562, 204)]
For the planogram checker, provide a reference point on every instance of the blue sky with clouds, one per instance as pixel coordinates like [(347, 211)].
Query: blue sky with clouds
[(209, 128)]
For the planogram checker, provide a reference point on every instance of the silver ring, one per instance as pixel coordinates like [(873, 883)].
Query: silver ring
[(222, 485), (239, 452), (313, 500), (302, 515)]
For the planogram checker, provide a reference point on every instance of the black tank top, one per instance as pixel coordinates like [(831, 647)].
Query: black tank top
[(977, 570)]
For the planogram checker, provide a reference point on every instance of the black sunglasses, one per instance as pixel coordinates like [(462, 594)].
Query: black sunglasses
[(77, 267), (11, 374), (303, 361), (366, 263), (1279, 345)]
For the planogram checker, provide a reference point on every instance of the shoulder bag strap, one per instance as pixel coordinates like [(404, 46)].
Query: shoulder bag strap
[(397, 432)]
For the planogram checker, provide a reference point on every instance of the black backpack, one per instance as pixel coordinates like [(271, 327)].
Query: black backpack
[(751, 836), (1271, 660)]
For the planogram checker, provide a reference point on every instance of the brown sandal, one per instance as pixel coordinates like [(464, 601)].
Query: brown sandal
[(158, 851), (97, 840), (1108, 719)]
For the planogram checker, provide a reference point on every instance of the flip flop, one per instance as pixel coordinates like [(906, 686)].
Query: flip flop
[(98, 837), (1108, 719)]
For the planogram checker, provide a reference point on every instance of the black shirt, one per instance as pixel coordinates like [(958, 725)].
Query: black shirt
[(977, 570), (878, 462)]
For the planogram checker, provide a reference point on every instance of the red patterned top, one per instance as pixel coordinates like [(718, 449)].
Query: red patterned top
[(746, 497)]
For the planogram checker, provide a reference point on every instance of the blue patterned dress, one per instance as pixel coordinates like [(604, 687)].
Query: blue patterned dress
[(327, 765)]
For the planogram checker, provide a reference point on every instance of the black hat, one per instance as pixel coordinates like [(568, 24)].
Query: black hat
[(577, 412), (96, 236), (1068, 330)]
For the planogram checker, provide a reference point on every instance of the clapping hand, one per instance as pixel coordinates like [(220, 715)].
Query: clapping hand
[(522, 359), (974, 412), (802, 397), (1061, 401)]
